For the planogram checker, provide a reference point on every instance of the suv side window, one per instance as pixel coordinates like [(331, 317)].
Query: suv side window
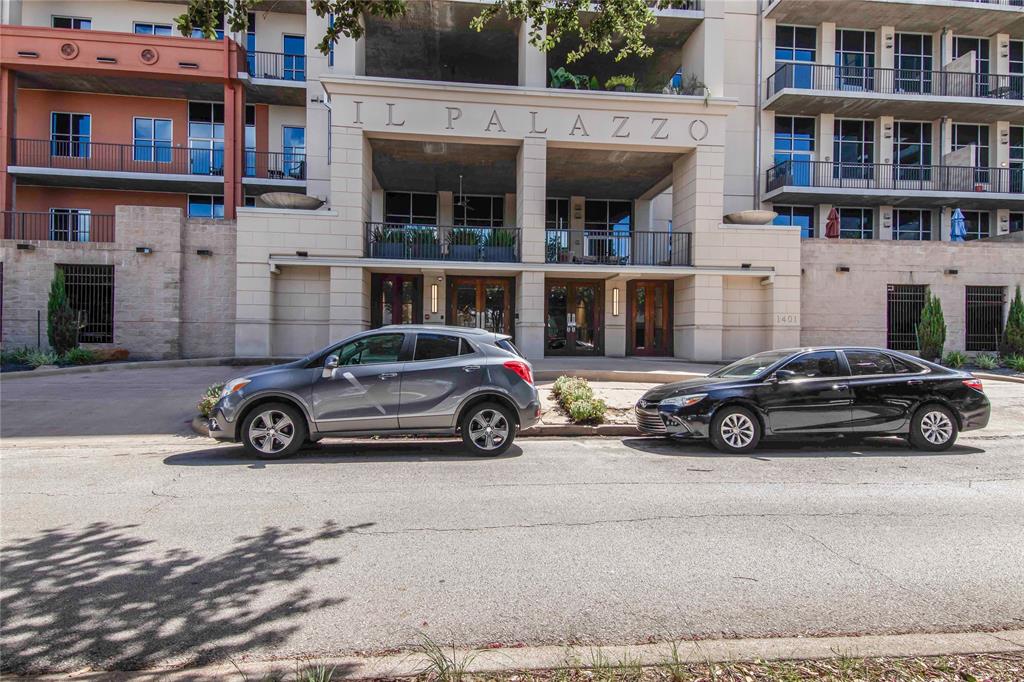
[(371, 350), (906, 367), (867, 362), (437, 346), (823, 363)]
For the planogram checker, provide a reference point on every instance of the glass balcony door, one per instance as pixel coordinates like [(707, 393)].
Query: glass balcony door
[(650, 317), (482, 302), (574, 318)]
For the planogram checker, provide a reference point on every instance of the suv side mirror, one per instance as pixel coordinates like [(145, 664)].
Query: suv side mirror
[(330, 364), (783, 375)]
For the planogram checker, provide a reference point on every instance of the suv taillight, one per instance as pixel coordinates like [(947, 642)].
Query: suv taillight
[(520, 368), (975, 384)]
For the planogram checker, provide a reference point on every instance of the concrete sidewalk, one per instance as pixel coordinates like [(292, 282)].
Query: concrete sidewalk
[(632, 369)]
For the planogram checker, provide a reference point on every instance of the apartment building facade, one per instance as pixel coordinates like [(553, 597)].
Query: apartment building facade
[(460, 186)]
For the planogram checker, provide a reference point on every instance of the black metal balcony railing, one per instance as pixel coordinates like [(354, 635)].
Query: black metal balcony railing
[(436, 242), (58, 226), (276, 65), (887, 176), (603, 247), (895, 81), (161, 159)]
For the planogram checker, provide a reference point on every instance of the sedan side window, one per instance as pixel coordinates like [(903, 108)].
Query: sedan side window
[(813, 365), (371, 350), (866, 362), (437, 346)]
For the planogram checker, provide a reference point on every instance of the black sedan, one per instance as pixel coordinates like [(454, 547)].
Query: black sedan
[(819, 391)]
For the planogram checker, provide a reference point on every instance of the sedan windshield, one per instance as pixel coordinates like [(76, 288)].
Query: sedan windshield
[(751, 366)]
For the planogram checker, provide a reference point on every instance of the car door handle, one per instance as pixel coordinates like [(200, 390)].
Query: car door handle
[(387, 375), (914, 382), (840, 387), (470, 368)]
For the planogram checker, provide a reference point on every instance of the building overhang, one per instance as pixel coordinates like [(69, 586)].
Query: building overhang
[(858, 104), (95, 179), (274, 91), (985, 201)]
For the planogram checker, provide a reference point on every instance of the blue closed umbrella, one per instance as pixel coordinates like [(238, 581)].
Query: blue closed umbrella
[(958, 227)]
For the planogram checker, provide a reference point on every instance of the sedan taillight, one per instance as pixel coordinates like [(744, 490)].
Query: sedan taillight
[(975, 384), (520, 368)]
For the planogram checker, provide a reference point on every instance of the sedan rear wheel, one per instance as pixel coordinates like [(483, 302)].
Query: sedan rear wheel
[(273, 431), (488, 429), (933, 428), (735, 430)]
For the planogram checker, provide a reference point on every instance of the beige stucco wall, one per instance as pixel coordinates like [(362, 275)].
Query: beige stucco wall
[(850, 307), (300, 310)]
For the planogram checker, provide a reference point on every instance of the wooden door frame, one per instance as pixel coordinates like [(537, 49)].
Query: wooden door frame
[(452, 281), (570, 283), (375, 287), (631, 287)]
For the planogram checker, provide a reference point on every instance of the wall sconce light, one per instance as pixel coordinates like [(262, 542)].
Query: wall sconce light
[(888, 41), (433, 298), (745, 266), (146, 250), (204, 252), (842, 268), (615, 301), (952, 271), (26, 247), (302, 254)]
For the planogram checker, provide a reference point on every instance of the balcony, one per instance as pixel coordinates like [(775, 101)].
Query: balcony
[(889, 184), (811, 89), (58, 226), (395, 241), (984, 18), (276, 78), (599, 247)]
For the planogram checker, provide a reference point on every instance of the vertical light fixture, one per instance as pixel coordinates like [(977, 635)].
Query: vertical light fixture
[(615, 301), (433, 298)]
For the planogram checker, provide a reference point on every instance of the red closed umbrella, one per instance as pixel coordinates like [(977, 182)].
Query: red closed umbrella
[(832, 225)]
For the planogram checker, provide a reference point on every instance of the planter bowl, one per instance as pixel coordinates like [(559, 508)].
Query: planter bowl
[(750, 217), (289, 200)]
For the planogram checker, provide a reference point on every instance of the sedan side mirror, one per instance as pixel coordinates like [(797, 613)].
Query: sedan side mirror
[(330, 364)]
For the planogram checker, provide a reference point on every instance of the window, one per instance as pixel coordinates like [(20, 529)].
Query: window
[(205, 206), (984, 318), (294, 147), (437, 346), (976, 224), (70, 134), (866, 362), (905, 366), (250, 140), (249, 201), (410, 208), (794, 146), (913, 62), (91, 295), (479, 210), (814, 365), (1017, 156), (856, 223), (198, 33), (153, 139), (371, 350), (797, 216), (294, 58), (148, 29), (606, 228), (913, 147), (796, 45), (965, 134), (962, 45), (557, 214), (1017, 222), (912, 224), (855, 60), (206, 138), (903, 307), (80, 23), (854, 149), (69, 224)]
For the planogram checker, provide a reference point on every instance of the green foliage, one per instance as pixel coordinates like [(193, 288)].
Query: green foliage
[(1014, 362), (389, 235), (501, 237), (689, 84), (563, 78), (38, 358), (587, 410), (79, 356), (954, 359), (210, 397), (566, 384), (444, 662), (629, 82), (16, 356), (986, 361), (931, 331), (577, 398), (464, 236), (1013, 332), (61, 320)]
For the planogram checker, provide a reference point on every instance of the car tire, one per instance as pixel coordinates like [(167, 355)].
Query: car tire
[(933, 428), (735, 430), (488, 429), (274, 431)]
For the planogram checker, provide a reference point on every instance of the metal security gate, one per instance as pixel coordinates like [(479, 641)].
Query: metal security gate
[(91, 294), (904, 306), (984, 317)]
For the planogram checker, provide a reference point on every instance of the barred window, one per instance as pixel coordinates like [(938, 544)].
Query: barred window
[(984, 317), (904, 305), (91, 295)]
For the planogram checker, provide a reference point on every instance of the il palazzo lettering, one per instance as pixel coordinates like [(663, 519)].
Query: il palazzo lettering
[(622, 126)]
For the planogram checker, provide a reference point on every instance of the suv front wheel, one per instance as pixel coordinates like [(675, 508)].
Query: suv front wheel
[(488, 429), (273, 431)]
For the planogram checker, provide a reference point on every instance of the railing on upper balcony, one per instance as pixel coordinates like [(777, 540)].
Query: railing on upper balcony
[(887, 176), (401, 241), (151, 158), (856, 79), (58, 226), (692, 5), (276, 65), (604, 247)]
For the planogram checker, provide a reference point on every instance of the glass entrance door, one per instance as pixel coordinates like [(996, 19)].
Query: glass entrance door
[(650, 318), (574, 318), (484, 302), (397, 299)]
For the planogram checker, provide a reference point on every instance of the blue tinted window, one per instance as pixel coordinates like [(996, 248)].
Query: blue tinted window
[(796, 216)]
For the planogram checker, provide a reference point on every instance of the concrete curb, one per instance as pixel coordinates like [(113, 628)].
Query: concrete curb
[(144, 364), (998, 377), (622, 376), (549, 657)]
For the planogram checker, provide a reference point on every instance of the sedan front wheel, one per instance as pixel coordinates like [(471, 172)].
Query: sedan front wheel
[(735, 430)]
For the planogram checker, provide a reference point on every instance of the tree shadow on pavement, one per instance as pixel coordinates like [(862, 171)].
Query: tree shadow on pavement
[(101, 596), (807, 448)]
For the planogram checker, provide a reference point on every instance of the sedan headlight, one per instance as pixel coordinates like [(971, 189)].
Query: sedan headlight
[(232, 386), (684, 400)]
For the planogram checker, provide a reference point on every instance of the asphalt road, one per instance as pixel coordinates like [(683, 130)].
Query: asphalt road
[(126, 542)]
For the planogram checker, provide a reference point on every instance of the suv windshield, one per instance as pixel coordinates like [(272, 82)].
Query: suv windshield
[(751, 366)]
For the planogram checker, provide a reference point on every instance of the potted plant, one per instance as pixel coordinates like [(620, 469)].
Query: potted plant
[(500, 245), (689, 84), (563, 79), (620, 84), (388, 242), (464, 243), (424, 242)]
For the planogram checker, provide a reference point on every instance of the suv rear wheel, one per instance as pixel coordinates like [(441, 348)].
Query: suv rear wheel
[(273, 431), (488, 429)]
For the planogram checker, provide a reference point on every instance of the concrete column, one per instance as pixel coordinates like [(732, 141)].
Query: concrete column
[(531, 189), (351, 179), (822, 219), (643, 215), (698, 318), (349, 301), (615, 325), (824, 140), (377, 205), (530, 312), (945, 222), (253, 310), (318, 134), (884, 131), (445, 208), (944, 129), (8, 95), (886, 222), (942, 42), (827, 43), (432, 278), (511, 210), (999, 50), (234, 137), (703, 54), (784, 315), (698, 181), (885, 48), (577, 215), (999, 157), (533, 62)]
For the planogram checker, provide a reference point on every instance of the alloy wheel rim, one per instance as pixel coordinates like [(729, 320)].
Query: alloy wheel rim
[(488, 429), (936, 427), (737, 430), (271, 431)]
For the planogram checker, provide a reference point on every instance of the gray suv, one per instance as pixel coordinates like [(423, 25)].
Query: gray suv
[(407, 379)]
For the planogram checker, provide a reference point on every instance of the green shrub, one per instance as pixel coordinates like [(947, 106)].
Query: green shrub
[(79, 356), (1014, 362), (576, 393), (986, 361), (210, 397), (38, 358), (587, 410), (931, 331), (564, 384), (628, 82), (61, 320), (954, 359), (15, 356), (1013, 332)]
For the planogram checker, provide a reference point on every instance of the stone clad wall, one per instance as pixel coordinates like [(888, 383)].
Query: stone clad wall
[(208, 289)]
